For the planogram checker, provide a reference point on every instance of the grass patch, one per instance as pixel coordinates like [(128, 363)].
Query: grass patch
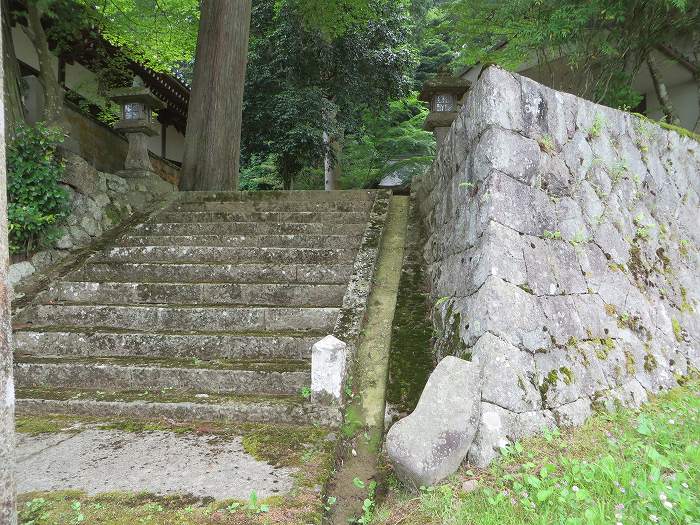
[(630, 467), (74, 507)]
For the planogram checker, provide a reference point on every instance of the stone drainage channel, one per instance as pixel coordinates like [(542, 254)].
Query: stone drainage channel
[(364, 422)]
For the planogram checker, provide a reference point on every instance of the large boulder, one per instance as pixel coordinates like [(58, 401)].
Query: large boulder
[(432, 442)]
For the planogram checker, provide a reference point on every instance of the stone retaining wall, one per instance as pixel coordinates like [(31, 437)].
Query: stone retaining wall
[(563, 255), (98, 201)]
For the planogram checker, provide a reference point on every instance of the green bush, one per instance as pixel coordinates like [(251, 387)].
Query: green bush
[(260, 173), (36, 202)]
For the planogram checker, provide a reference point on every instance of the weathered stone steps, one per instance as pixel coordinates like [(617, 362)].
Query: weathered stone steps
[(167, 317), (218, 254), (221, 376), (124, 293), (262, 241), (277, 197), (361, 206), (206, 310), (338, 217), (249, 228), (214, 273), (183, 406), (77, 341)]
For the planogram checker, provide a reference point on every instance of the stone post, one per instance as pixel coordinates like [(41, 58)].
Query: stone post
[(7, 391), (328, 370)]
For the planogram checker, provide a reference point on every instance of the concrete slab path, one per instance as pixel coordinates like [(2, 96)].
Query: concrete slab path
[(160, 462)]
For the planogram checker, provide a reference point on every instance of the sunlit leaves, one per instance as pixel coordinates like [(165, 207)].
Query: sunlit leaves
[(159, 33)]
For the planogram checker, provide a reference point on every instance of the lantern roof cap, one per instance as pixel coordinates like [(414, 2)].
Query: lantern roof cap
[(443, 82), (137, 94)]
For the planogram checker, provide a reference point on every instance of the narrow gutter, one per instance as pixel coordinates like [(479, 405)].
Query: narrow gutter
[(358, 470)]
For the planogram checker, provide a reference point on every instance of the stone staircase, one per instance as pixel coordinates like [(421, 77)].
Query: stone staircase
[(206, 308)]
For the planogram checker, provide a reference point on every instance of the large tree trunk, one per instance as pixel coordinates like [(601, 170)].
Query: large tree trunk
[(213, 139), (332, 141), (54, 114), (662, 91), (331, 163), (7, 395), (14, 111)]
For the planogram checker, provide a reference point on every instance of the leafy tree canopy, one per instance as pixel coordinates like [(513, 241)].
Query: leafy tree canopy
[(307, 83), (159, 33), (605, 41)]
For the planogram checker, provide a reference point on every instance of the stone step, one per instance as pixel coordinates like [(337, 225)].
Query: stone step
[(78, 341), (281, 206), (182, 406), (214, 273), (217, 254), (248, 228), (219, 376), (187, 318), (338, 217), (125, 293), (278, 196), (265, 241)]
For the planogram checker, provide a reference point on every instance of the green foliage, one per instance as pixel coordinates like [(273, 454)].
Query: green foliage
[(303, 81), (392, 142), (626, 467), (162, 34), (305, 392), (436, 47), (604, 42), (552, 235), (36, 202), (33, 512), (260, 173)]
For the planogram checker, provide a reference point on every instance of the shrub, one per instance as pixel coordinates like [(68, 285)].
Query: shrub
[(36, 201), (260, 173)]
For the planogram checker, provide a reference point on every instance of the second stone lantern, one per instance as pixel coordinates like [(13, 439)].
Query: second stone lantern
[(444, 93)]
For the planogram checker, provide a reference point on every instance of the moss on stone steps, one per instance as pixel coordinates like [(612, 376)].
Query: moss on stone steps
[(257, 365)]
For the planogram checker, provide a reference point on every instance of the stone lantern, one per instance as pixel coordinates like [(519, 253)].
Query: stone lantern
[(137, 105), (444, 94)]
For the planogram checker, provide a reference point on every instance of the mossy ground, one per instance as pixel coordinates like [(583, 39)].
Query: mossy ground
[(630, 467), (306, 449), (410, 360)]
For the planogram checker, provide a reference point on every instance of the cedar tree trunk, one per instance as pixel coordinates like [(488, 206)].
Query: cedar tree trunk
[(213, 138), (7, 394)]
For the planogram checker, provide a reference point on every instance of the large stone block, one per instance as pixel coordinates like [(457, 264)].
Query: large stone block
[(432, 442), (506, 152), (507, 374), (79, 174), (516, 205), (506, 311)]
